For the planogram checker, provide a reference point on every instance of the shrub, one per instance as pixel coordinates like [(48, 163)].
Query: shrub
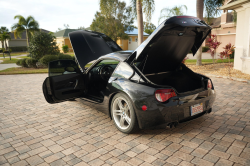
[(65, 56), (22, 62), (65, 48), (205, 49), (48, 58), (42, 44), (31, 62), (232, 55), (19, 49)]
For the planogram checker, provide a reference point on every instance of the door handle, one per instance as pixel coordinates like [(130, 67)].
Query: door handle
[(76, 83)]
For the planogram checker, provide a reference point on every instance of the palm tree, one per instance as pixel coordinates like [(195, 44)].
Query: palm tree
[(6, 36), (30, 25), (2, 30), (170, 12), (211, 9), (145, 6)]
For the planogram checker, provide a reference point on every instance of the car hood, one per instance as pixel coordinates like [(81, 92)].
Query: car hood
[(170, 43), (90, 45)]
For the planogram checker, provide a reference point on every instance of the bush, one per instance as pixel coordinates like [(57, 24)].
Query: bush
[(48, 58), (205, 49), (18, 49), (65, 48), (65, 56), (31, 62), (232, 55), (22, 62)]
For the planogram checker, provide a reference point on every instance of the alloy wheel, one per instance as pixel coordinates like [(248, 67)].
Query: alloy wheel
[(121, 113)]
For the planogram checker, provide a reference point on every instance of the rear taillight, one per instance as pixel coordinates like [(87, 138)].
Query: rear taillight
[(209, 84), (163, 95)]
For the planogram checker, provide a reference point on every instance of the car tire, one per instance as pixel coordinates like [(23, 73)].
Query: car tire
[(124, 118)]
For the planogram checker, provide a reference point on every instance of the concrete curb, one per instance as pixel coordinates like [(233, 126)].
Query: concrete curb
[(232, 78)]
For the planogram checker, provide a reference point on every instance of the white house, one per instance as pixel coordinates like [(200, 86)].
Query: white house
[(242, 41)]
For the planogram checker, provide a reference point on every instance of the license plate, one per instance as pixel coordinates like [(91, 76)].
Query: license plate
[(196, 109)]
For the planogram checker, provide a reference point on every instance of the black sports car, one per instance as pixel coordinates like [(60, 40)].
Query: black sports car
[(137, 89)]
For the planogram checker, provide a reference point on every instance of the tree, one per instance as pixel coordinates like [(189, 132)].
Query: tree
[(2, 30), (228, 50), (6, 36), (81, 28), (148, 27), (145, 6), (113, 20), (170, 12), (211, 9), (30, 25), (213, 45), (43, 44)]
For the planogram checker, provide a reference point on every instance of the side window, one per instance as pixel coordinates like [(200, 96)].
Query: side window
[(61, 67), (123, 71)]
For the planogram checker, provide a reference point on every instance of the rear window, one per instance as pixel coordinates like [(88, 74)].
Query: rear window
[(123, 71)]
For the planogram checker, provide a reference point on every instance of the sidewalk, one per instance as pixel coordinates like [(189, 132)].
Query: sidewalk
[(6, 66)]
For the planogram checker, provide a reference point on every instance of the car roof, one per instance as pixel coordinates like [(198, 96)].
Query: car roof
[(119, 55)]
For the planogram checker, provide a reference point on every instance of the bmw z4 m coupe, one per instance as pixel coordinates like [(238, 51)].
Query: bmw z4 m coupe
[(146, 87)]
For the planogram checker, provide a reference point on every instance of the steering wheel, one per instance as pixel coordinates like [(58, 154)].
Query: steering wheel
[(105, 72)]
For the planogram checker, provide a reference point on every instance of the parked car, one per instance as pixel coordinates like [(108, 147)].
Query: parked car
[(137, 89)]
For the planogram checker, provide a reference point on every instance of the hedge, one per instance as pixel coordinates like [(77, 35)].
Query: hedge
[(18, 49)]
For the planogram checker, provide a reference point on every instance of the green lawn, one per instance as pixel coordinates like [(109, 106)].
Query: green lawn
[(207, 61), (13, 60), (13, 54), (7, 60), (70, 53), (21, 70)]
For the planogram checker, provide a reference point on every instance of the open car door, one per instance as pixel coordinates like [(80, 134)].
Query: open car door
[(65, 81)]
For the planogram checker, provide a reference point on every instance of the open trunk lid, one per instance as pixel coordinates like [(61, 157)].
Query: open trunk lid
[(169, 44), (90, 45)]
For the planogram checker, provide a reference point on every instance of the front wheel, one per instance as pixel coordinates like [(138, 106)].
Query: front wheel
[(123, 114)]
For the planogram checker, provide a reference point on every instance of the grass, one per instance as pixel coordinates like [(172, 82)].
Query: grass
[(13, 54), (21, 70), (13, 60), (7, 60), (207, 61), (70, 53)]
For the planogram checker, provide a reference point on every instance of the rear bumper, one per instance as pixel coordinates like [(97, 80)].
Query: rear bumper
[(175, 110)]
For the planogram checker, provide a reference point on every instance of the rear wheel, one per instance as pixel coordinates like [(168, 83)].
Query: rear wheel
[(123, 114)]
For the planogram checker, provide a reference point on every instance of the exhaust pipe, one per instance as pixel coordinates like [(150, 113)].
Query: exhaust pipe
[(172, 124)]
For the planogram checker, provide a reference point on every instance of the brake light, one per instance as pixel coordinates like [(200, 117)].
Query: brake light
[(209, 84), (163, 95)]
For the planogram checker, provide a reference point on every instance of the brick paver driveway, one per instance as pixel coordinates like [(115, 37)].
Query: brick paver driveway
[(33, 132)]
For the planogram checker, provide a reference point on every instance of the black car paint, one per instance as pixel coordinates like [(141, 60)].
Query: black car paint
[(142, 92), (175, 109)]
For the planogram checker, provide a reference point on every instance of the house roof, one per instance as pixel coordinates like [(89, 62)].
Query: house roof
[(135, 32), (233, 4), (23, 35), (64, 32)]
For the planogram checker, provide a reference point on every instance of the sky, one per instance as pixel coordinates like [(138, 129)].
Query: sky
[(53, 14)]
